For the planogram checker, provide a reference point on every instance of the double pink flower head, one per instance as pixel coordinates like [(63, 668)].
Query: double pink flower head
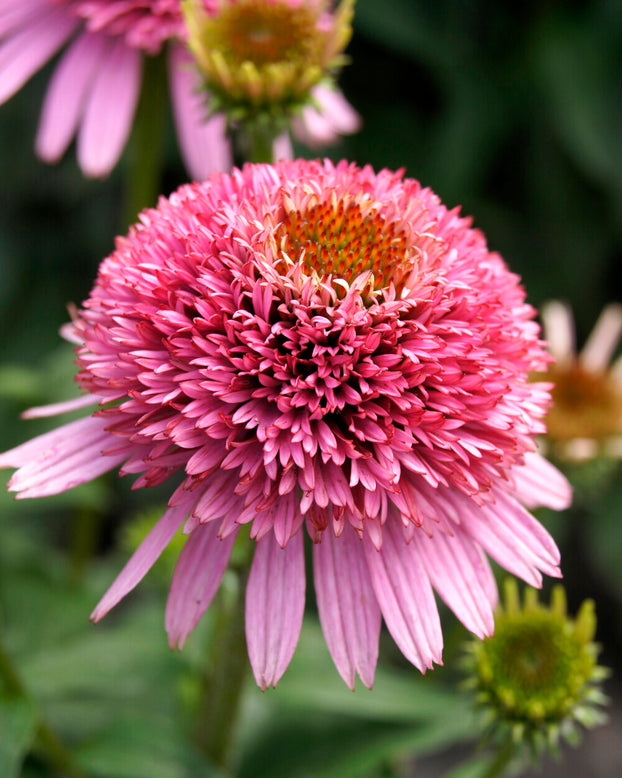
[(320, 351), (94, 90)]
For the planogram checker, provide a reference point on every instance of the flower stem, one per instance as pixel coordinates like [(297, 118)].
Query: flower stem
[(226, 671), (146, 149), (48, 742), (253, 141)]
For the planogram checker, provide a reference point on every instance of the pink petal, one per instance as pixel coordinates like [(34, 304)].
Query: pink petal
[(405, 596), (145, 556), (348, 609), (603, 339), (282, 148), (19, 14), (109, 111), (558, 326), (513, 537), (461, 574), (275, 601), (538, 482), (55, 409), (24, 53), (203, 141), (68, 92), (197, 576)]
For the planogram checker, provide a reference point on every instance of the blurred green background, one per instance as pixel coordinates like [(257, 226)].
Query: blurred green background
[(513, 111)]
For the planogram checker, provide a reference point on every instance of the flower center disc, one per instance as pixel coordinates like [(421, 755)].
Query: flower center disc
[(585, 404), (339, 240), (264, 33)]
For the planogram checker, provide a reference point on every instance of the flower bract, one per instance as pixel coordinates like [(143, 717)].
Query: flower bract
[(319, 350)]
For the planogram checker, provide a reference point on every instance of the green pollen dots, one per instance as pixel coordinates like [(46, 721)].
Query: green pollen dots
[(342, 240)]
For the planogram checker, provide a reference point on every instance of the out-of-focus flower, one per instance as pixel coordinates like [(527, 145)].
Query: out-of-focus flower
[(265, 62), (310, 346), (95, 87), (586, 417), (537, 677)]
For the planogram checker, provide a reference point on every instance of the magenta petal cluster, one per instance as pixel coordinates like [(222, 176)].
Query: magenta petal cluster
[(309, 349)]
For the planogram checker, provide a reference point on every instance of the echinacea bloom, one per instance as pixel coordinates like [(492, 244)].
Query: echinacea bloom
[(266, 62), (94, 90), (537, 679), (586, 417), (306, 348)]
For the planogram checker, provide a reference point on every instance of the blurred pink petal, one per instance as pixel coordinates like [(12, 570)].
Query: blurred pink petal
[(109, 111), (202, 139)]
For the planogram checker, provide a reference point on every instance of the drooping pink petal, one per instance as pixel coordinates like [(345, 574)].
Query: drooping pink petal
[(348, 610), (109, 110), (197, 576), (405, 596), (202, 139), (18, 14), (144, 557), (275, 598), (26, 51), (56, 409), (512, 537), (45, 445), (332, 117), (68, 92), (559, 327), (461, 574), (538, 482)]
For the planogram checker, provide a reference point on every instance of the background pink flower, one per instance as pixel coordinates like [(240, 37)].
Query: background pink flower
[(315, 347), (95, 86)]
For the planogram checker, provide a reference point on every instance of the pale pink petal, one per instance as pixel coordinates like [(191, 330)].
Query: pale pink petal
[(461, 574), (405, 596), (55, 409), (332, 117), (197, 576), (67, 94), (538, 482), (27, 51), (203, 141), (109, 111), (275, 601), (282, 148), (558, 328), (603, 340), (48, 445), (145, 555), (512, 537), (19, 14), (349, 612)]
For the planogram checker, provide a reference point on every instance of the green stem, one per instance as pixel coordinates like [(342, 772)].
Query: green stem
[(253, 141), (146, 149), (48, 742), (226, 672)]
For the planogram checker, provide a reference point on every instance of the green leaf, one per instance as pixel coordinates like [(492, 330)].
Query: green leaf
[(18, 724), (141, 743)]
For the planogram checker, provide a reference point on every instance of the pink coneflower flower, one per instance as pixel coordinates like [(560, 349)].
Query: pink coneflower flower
[(315, 349), (94, 90), (586, 417)]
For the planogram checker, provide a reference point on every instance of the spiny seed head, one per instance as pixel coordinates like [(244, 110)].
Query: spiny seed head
[(537, 676)]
